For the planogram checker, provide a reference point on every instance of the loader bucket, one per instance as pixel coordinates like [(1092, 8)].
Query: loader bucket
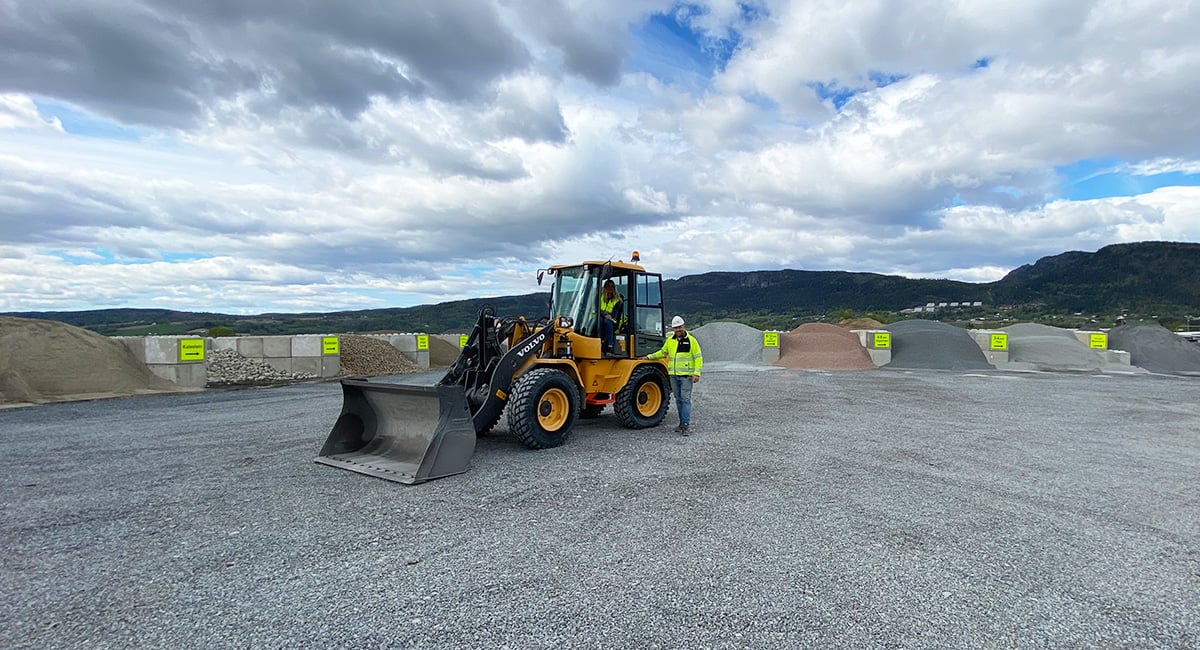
[(408, 434)]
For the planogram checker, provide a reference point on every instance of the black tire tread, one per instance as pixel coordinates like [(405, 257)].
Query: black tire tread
[(522, 419), (625, 408)]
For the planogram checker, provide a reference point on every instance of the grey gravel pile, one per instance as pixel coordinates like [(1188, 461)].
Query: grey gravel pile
[(228, 368), (1045, 347), (730, 345), (367, 356), (1156, 349), (934, 346)]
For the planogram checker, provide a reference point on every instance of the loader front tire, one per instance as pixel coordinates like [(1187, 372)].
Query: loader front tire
[(543, 408), (644, 401)]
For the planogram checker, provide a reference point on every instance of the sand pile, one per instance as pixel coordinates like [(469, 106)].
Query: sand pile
[(46, 361), (932, 345), (730, 345), (823, 346), (442, 353), (1155, 348), (1045, 347)]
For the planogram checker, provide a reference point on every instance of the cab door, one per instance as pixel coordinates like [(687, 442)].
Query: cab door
[(648, 317)]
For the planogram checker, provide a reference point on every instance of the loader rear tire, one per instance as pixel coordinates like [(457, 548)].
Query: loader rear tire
[(644, 401), (543, 408)]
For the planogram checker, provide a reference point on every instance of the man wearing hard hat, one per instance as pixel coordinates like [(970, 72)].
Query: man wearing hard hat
[(683, 364)]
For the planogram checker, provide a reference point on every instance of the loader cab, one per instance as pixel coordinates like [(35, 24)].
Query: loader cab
[(576, 295)]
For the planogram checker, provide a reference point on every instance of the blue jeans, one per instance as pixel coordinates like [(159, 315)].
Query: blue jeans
[(608, 334), (681, 385)]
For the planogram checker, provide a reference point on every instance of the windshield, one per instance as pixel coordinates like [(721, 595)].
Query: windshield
[(574, 296)]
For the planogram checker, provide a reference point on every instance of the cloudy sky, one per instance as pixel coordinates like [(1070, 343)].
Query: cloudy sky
[(247, 156)]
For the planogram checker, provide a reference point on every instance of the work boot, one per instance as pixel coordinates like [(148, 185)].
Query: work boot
[(678, 428), (683, 429)]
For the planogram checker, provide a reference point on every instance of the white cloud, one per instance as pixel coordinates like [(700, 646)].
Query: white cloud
[(387, 170)]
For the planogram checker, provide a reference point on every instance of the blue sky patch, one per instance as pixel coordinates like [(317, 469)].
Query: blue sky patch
[(1108, 177), (77, 122)]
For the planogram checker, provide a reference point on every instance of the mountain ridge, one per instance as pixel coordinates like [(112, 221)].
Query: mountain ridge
[(1141, 276)]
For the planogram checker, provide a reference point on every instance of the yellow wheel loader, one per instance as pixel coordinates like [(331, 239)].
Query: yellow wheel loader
[(546, 373)]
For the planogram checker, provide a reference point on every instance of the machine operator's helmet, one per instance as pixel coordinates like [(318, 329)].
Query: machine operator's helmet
[(677, 321)]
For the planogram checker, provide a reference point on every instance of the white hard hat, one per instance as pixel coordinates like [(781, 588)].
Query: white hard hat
[(677, 321)]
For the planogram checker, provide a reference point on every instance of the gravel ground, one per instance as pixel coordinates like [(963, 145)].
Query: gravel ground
[(809, 509)]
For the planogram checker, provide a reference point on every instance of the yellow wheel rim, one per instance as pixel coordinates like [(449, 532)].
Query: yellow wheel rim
[(649, 398), (553, 409)]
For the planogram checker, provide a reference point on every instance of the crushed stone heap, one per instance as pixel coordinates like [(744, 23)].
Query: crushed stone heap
[(931, 345), (368, 356), (228, 368), (1045, 347), (729, 345), (822, 346), (1157, 349)]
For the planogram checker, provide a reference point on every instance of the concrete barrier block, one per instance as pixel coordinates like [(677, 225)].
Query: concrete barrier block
[(135, 344), (1094, 339), (162, 349), (331, 365), (306, 346), (277, 346), (995, 357), (403, 342), (188, 375), (419, 357), (250, 347), (307, 365), (769, 355), (880, 356), (282, 364), (223, 343), (1117, 356)]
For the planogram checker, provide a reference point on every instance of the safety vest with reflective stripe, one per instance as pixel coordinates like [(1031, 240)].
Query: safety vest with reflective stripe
[(680, 363), (607, 306)]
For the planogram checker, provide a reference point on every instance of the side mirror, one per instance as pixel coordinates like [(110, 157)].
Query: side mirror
[(541, 274), (605, 272)]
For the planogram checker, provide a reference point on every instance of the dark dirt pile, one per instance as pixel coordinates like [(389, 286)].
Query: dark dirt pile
[(45, 361), (824, 347), (368, 356), (926, 344), (1155, 348)]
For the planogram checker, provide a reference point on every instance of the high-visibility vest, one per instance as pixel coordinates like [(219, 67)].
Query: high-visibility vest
[(607, 306), (680, 363)]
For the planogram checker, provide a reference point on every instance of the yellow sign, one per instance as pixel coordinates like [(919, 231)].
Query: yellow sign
[(999, 341), (1098, 341), (883, 340), (191, 349), (422, 341), (462, 340), (770, 339), (329, 345)]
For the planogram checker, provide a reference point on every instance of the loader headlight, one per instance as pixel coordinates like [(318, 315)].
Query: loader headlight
[(566, 321)]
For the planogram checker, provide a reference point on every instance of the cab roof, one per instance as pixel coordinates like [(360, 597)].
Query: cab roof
[(616, 264)]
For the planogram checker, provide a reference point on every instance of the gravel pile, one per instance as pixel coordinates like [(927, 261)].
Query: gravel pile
[(730, 345), (1045, 347), (822, 346), (931, 345), (367, 356), (228, 368), (1156, 349)]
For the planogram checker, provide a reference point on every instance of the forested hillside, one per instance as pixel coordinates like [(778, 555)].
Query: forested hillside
[(1146, 277)]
